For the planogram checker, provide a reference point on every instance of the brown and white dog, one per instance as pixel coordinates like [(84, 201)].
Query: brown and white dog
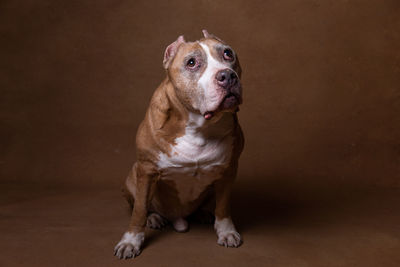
[(188, 144)]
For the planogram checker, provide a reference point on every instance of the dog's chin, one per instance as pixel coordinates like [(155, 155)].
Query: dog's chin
[(230, 103)]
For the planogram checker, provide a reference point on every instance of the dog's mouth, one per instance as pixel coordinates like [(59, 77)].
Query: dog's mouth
[(208, 115), (231, 101)]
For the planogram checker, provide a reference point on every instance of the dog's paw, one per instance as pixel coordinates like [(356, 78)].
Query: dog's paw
[(229, 239), (155, 221), (227, 234), (129, 246), (181, 225), (126, 251)]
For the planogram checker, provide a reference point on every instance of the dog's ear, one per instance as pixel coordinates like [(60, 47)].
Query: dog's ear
[(206, 34), (171, 50)]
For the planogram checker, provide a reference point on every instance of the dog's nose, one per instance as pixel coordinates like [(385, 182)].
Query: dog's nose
[(226, 78)]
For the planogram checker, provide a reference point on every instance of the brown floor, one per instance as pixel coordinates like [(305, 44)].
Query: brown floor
[(63, 227)]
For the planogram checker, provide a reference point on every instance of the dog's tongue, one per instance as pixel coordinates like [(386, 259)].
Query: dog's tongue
[(208, 115)]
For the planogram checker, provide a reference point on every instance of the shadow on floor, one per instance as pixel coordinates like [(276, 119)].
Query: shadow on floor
[(283, 204)]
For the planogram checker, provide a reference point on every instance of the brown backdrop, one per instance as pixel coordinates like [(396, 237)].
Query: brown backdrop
[(319, 176), (321, 78)]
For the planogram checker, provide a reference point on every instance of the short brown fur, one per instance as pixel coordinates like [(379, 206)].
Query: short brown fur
[(164, 122)]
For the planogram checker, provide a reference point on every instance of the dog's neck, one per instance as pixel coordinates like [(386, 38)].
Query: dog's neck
[(195, 123), (220, 126)]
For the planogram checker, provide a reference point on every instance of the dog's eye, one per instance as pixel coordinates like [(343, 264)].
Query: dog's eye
[(228, 54), (191, 63)]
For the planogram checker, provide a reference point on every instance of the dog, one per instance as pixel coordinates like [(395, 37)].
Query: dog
[(188, 144)]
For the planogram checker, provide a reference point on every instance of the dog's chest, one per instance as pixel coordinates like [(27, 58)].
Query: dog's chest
[(195, 156), (195, 161)]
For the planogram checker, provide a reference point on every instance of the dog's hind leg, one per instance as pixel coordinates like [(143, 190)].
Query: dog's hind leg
[(156, 221)]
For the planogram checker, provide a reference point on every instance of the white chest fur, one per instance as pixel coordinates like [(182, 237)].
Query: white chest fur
[(195, 157), (195, 152)]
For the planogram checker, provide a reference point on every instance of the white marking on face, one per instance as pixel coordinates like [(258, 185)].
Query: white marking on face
[(213, 94), (194, 156)]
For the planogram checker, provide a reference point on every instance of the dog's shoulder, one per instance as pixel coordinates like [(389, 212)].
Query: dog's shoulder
[(163, 123)]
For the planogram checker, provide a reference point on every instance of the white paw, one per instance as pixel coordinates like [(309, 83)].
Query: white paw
[(181, 225), (229, 239), (155, 221), (129, 246), (227, 234)]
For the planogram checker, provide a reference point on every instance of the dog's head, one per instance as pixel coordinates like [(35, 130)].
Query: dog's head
[(205, 74)]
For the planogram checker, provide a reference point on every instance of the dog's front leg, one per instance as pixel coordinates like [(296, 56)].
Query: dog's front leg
[(226, 231), (132, 240)]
